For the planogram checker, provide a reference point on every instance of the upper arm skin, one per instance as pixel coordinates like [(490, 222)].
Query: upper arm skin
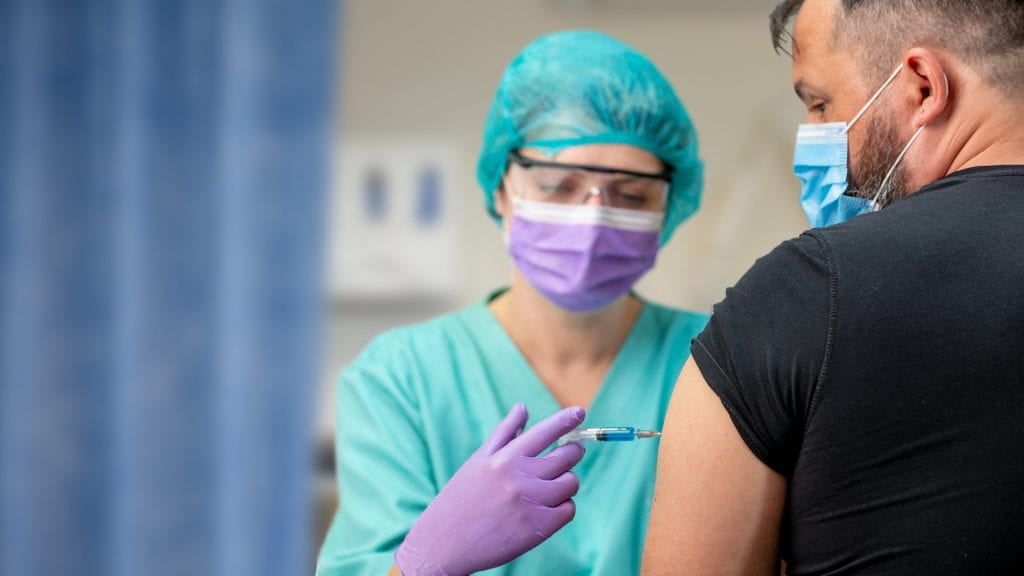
[(717, 508)]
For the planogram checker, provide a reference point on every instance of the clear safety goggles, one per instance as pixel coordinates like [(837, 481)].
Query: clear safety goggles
[(561, 183)]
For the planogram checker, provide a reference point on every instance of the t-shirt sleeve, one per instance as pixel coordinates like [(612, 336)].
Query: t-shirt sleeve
[(765, 348), (384, 474)]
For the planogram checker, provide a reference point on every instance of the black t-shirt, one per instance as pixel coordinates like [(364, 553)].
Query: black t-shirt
[(879, 366)]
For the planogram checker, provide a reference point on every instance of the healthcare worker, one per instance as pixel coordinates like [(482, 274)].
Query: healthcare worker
[(589, 163)]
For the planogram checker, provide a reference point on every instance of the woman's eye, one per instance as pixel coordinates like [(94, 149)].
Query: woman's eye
[(555, 187), (818, 108)]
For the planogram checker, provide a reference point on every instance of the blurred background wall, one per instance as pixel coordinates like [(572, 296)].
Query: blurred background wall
[(425, 72), (422, 74)]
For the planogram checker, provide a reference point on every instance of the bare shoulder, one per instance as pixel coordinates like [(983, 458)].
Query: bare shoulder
[(717, 508)]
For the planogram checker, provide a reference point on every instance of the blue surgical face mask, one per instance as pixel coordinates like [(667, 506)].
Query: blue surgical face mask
[(820, 161)]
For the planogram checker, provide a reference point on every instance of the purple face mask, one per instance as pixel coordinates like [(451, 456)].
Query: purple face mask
[(582, 257)]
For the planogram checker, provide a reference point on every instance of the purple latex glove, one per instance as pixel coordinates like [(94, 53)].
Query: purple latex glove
[(503, 501)]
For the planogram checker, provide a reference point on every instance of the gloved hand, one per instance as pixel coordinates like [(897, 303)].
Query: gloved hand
[(503, 501)]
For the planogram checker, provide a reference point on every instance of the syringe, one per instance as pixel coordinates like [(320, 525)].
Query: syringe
[(624, 434)]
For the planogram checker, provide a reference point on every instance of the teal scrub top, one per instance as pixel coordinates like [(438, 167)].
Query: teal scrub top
[(421, 399)]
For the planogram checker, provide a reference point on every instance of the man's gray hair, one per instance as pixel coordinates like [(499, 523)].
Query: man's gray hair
[(986, 34)]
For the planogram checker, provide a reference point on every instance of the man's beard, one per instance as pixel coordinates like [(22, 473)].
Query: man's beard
[(882, 146)]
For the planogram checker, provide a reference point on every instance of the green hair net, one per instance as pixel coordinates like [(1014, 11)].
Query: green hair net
[(581, 87)]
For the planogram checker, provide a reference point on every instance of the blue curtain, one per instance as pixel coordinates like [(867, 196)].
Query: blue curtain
[(162, 177)]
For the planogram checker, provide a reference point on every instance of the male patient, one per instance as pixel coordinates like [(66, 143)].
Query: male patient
[(856, 403)]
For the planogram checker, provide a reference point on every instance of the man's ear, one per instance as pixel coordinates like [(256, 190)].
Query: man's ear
[(930, 85)]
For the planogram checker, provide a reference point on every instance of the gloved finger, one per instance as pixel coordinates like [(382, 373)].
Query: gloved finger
[(544, 433), (507, 429), (555, 463), (552, 520), (551, 493)]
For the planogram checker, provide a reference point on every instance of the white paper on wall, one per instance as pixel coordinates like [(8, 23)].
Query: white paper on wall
[(393, 223)]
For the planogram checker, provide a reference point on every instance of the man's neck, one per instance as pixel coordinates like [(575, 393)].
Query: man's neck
[(991, 135)]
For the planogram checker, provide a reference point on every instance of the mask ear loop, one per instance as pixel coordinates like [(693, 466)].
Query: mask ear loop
[(873, 98), (875, 206)]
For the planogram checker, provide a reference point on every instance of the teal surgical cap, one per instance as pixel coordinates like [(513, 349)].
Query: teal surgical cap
[(581, 87)]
